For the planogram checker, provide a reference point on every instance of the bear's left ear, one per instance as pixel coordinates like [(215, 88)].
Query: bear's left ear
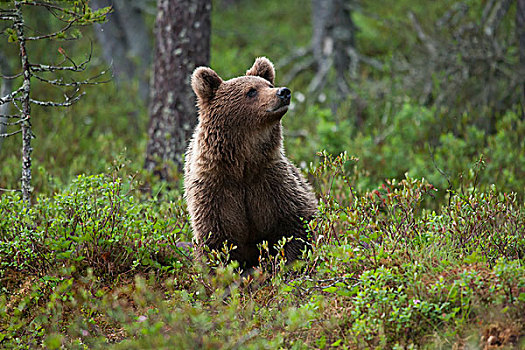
[(205, 82), (263, 68)]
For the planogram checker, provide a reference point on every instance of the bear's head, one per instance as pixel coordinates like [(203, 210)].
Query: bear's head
[(250, 101)]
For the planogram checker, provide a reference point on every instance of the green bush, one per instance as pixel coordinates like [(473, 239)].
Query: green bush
[(97, 264), (95, 222)]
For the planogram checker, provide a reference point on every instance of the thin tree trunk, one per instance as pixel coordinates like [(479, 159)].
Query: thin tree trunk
[(26, 107), (183, 43)]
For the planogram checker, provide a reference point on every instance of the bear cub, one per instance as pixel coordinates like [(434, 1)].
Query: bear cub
[(239, 185)]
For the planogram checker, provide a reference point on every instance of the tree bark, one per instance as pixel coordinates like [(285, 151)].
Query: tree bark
[(125, 42), (182, 43), (333, 43), (27, 134)]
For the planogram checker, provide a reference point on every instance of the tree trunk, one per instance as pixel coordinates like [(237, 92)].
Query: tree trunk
[(27, 134), (333, 43), (125, 42), (520, 34), (182, 43)]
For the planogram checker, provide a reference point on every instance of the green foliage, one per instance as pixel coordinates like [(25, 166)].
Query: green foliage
[(96, 263), (96, 223), (415, 141)]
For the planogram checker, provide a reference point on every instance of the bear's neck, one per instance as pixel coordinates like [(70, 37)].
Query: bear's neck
[(240, 154)]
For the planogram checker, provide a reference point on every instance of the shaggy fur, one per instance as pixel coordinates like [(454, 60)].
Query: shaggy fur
[(239, 185)]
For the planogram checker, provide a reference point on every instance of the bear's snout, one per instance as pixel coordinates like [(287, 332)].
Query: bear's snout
[(284, 93)]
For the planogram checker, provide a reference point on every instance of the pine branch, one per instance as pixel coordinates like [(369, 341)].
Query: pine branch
[(66, 103), (10, 134), (55, 34), (12, 123), (75, 68), (423, 37), (9, 77), (9, 116), (59, 82), (10, 190), (47, 68), (19, 108), (11, 96)]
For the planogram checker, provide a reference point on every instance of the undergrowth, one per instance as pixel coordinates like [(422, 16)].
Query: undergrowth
[(97, 265)]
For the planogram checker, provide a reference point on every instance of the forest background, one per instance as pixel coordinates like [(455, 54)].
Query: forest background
[(422, 219)]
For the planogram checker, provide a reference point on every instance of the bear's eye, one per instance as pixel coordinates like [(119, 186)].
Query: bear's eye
[(252, 93)]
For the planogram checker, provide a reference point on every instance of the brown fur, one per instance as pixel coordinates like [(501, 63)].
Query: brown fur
[(239, 185)]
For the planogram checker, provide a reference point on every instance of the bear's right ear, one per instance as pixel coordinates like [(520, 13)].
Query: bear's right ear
[(263, 68), (205, 82)]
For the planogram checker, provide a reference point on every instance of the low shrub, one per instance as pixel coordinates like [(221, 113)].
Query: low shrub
[(96, 265)]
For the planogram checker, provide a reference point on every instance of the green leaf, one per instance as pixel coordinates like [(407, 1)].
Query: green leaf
[(330, 289), (336, 343), (521, 297)]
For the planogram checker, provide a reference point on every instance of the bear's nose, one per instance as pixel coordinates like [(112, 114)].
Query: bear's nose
[(284, 93)]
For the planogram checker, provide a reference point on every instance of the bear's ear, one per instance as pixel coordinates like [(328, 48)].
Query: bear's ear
[(263, 68), (205, 82)]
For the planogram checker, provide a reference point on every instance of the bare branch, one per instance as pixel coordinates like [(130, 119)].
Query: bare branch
[(296, 54), (9, 77), (60, 82), (422, 35), (9, 123), (66, 103), (13, 123), (9, 190), (19, 108), (10, 134), (52, 35), (75, 68), (11, 96), (11, 116), (46, 68), (456, 13), (297, 69), (365, 59), (493, 13)]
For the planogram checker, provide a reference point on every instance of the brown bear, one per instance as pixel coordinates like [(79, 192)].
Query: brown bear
[(239, 185)]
